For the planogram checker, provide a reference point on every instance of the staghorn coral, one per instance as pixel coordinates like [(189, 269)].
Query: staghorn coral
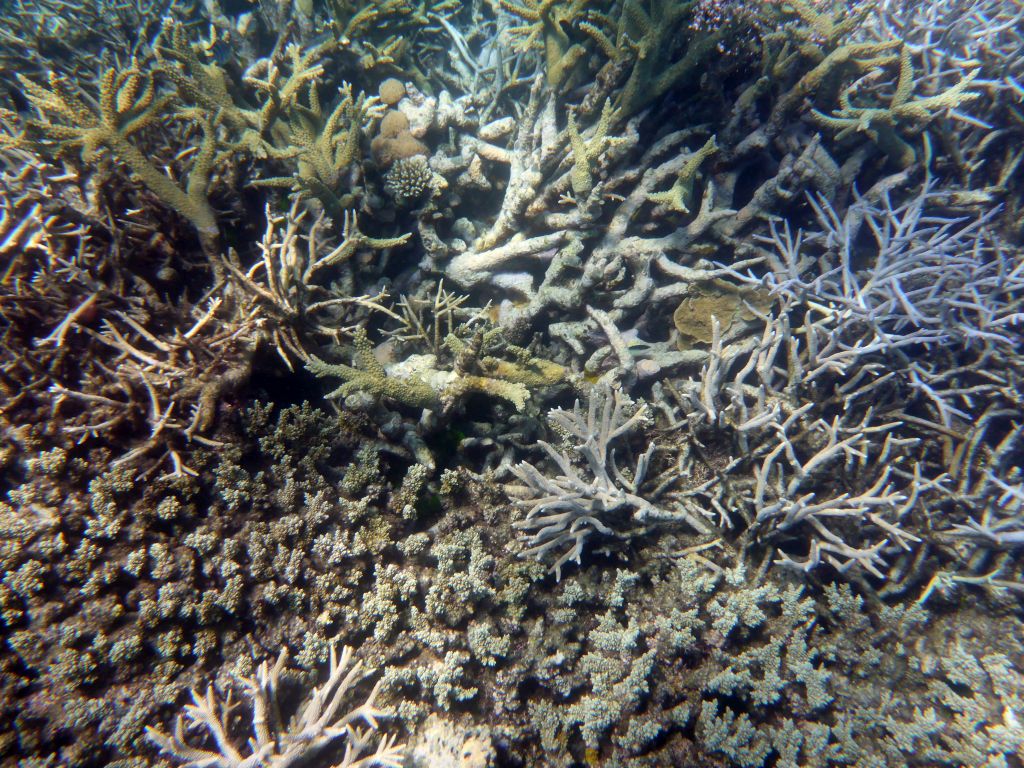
[(368, 375), (545, 28), (128, 103), (678, 198), (567, 509), (980, 159), (378, 33), (442, 744), (886, 332), (585, 153), (647, 35), (321, 722), (417, 381), (804, 59), (326, 147), (69, 34), (126, 369), (279, 290), (880, 123)]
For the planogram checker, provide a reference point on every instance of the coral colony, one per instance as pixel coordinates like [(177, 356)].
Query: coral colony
[(481, 383)]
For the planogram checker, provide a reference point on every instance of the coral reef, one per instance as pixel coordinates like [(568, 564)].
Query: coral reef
[(631, 382)]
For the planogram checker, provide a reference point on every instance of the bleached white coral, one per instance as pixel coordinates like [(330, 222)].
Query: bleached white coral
[(321, 722), (566, 509)]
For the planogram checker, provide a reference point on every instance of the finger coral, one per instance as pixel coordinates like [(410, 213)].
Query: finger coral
[(636, 382)]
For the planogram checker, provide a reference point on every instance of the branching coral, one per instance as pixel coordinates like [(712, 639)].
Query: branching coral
[(649, 40), (880, 123), (796, 361), (129, 102), (424, 381), (279, 290), (545, 28), (819, 51), (326, 146), (277, 743), (568, 508), (125, 367), (929, 278)]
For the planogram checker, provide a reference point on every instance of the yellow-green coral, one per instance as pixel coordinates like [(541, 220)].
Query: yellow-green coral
[(325, 146), (880, 123), (825, 27), (128, 103), (379, 31), (860, 56), (358, 20), (420, 381), (368, 375), (585, 152), (648, 36), (281, 127), (261, 131), (678, 197), (509, 379), (546, 22)]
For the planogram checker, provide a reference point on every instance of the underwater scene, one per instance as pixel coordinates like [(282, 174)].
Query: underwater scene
[(511, 383)]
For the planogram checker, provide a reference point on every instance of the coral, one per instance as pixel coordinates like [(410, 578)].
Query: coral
[(280, 286), (585, 153), (547, 21), (880, 123), (128, 103), (442, 744), (368, 375), (773, 249), (420, 381), (326, 147), (648, 33), (394, 142), (409, 179), (727, 303), (678, 198), (565, 510), (391, 91), (830, 57), (173, 600), (321, 722)]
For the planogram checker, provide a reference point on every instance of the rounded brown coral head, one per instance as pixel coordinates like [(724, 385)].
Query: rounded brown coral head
[(394, 123), (387, 149), (391, 91)]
